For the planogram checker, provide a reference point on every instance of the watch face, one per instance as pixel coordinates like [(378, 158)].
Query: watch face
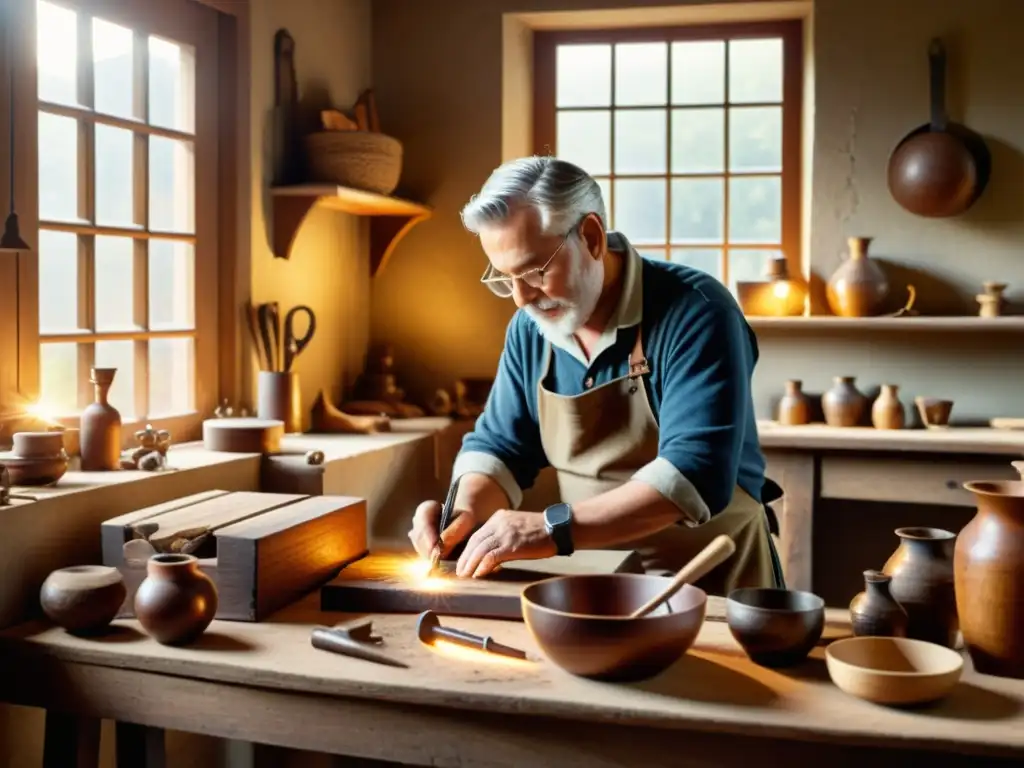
[(558, 514)]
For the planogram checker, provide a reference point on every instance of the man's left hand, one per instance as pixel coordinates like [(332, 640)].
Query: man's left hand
[(507, 535)]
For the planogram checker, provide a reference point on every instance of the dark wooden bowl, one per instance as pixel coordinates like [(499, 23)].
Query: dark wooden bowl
[(776, 627), (582, 624)]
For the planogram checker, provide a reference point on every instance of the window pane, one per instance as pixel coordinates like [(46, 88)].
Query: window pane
[(698, 72), (171, 285), (171, 85), (57, 54), (583, 76), (171, 380), (755, 70), (58, 282), (171, 185), (58, 167), (58, 371), (707, 260), (698, 140), (749, 266), (115, 194), (657, 254), (585, 138), (115, 289), (640, 210), (755, 139), (640, 141), (698, 208), (120, 355), (641, 74), (606, 193), (114, 64), (755, 209)]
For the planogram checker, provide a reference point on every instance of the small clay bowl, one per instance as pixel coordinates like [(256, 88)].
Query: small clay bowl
[(933, 411), (83, 599), (896, 671), (32, 472), (38, 445), (775, 627), (582, 624)]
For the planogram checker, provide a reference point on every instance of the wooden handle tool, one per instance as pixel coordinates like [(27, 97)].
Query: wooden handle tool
[(718, 551)]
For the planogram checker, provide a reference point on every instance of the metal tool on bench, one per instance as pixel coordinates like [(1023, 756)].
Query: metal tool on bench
[(429, 629), (446, 519), (354, 638)]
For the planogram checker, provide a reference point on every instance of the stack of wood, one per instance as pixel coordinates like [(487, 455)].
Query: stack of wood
[(363, 116)]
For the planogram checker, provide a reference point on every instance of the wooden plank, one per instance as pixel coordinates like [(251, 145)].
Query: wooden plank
[(957, 440), (794, 473), (218, 511)]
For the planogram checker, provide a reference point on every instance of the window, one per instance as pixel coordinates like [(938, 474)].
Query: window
[(693, 134), (127, 205)]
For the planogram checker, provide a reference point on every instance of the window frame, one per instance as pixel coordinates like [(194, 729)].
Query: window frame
[(791, 31)]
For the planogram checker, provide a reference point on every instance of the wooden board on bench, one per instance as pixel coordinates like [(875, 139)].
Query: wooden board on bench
[(397, 583), (264, 551)]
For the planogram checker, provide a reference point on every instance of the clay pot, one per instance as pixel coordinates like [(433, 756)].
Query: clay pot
[(794, 407), (775, 627), (934, 412), (990, 578), (35, 472), (922, 582), (859, 287), (176, 601), (875, 611), (38, 445), (100, 426), (887, 410), (83, 599), (843, 404)]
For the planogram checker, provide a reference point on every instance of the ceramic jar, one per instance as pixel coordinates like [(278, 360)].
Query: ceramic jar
[(989, 566), (83, 599), (843, 404), (887, 410), (922, 582), (875, 611), (859, 287), (176, 601), (794, 407), (100, 429)]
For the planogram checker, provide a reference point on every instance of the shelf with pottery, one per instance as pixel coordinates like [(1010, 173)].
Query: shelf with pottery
[(391, 218), (823, 437)]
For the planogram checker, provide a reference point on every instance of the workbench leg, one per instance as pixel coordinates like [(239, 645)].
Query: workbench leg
[(140, 746), (71, 741), (796, 472)]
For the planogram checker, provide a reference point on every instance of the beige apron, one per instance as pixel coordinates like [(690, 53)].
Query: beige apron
[(597, 440)]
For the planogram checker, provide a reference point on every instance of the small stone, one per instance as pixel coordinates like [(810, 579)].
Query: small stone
[(151, 461), (315, 458)]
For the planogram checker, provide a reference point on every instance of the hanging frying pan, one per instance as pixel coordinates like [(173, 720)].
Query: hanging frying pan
[(940, 168)]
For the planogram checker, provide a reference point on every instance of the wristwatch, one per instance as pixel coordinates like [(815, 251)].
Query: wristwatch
[(558, 524)]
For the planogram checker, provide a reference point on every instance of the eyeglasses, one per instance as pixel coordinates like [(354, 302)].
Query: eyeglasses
[(501, 284)]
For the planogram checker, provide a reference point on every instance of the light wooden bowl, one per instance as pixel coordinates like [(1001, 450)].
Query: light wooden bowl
[(893, 670)]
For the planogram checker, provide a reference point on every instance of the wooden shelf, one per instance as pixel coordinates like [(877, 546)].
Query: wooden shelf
[(392, 217), (969, 323)]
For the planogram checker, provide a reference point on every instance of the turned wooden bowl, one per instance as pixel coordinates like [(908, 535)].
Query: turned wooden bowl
[(582, 624), (893, 670), (83, 599), (35, 472), (775, 627)]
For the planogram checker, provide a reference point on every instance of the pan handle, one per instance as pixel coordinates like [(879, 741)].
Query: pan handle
[(937, 78)]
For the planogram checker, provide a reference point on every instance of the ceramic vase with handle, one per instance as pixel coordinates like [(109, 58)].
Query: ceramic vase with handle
[(887, 411), (922, 582), (176, 601), (794, 406), (100, 428), (989, 567), (843, 404), (859, 287), (875, 611)]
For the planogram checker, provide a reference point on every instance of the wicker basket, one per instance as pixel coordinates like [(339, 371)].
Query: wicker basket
[(358, 159)]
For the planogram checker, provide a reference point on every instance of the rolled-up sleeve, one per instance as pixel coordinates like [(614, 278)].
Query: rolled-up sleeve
[(703, 411), (505, 442)]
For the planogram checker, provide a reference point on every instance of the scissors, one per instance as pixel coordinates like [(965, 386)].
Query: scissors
[(294, 345)]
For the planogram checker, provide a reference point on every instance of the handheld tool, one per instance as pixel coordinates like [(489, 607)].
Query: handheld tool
[(355, 639), (429, 629), (446, 519)]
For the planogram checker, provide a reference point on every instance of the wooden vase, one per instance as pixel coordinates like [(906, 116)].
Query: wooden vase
[(176, 601), (887, 411), (922, 582), (843, 404), (100, 428), (875, 611), (794, 406), (859, 287), (989, 569)]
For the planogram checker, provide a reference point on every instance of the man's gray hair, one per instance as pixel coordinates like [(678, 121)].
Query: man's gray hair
[(561, 192)]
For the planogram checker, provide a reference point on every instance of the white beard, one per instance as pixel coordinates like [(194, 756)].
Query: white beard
[(585, 283)]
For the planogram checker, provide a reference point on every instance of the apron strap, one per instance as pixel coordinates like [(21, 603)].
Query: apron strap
[(638, 365)]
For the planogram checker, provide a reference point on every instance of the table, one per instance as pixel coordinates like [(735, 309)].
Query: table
[(265, 683)]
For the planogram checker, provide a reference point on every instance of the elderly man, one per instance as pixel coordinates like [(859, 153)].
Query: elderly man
[(629, 376)]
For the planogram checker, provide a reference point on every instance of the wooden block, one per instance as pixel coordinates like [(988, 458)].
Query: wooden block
[(396, 583), (243, 435)]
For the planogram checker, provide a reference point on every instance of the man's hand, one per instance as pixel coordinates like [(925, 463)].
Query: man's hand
[(507, 535), (424, 528)]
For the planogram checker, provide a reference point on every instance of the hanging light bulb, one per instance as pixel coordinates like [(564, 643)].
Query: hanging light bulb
[(11, 240)]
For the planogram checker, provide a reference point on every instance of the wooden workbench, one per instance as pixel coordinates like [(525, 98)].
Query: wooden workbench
[(265, 683)]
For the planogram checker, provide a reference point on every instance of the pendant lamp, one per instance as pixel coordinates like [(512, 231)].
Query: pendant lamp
[(11, 240)]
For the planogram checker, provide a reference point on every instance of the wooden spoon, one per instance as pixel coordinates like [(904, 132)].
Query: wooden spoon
[(718, 551)]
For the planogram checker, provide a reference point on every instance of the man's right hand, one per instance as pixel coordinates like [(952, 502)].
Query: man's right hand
[(424, 529)]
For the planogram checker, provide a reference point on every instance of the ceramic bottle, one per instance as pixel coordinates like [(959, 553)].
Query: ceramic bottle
[(887, 411), (843, 404), (989, 568), (176, 601), (794, 406), (859, 287), (100, 435), (875, 611), (922, 582)]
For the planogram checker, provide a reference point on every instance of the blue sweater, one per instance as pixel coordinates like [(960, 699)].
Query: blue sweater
[(702, 355)]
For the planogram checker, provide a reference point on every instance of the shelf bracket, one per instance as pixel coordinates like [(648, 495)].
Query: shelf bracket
[(288, 215), (385, 234)]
